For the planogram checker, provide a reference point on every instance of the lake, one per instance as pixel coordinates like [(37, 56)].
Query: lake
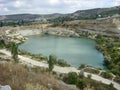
[(74, 50)]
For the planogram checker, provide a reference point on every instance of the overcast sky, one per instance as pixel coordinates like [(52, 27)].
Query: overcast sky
[(52, 6)]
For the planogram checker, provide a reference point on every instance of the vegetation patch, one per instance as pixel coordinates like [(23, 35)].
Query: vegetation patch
[(117, 79), (82, 66), (20, 78), (63, 63), (107, 75), (35, 87), (91, 70), (110, 47), (84, 83), (38, 57)]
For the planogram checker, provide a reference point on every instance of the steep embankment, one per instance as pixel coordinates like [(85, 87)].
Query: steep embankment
[(105, 26)]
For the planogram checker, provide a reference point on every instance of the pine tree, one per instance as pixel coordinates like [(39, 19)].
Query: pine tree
[(1, 24), (14, 52), (51, 62)]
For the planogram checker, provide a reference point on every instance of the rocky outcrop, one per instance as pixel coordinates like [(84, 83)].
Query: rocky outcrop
[(52, 31), (12, 37), (27, 32), (60, 32), (107, 26)]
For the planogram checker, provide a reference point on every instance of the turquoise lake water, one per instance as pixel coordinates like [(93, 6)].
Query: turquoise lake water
[(74, 50)]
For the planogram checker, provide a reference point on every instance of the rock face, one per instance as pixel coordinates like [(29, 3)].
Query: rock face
[(27, 32), (108, 26), (60, 32), (52, 31), (12, 37), (6, 87)]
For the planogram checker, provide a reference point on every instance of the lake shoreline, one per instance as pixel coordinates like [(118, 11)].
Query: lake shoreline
[(78, 43)]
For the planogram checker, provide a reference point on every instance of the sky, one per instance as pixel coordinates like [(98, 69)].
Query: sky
[(51, 6)]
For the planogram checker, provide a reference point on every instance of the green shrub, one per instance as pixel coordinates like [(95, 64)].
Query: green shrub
[(106, 75), (71, 78), (111, 85), (90, 70), (38, 57), (63, 63), (116, 70), (2, 43), (81, 84), (117, 79), (89, 76), (81, 66)]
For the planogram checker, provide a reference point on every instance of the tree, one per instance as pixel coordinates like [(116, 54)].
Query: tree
[(20, 22), (2, 43), (51, 62), (14, 52), (71, 78), (107, 60), (1, 24), (81, 84)]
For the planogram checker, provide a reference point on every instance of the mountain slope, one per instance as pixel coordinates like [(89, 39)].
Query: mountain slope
[(78, 15)]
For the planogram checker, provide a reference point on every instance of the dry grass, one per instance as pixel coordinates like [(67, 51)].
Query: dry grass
[(35, 87), (19, 78)]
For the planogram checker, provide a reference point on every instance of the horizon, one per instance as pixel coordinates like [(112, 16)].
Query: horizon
[(52, 6)]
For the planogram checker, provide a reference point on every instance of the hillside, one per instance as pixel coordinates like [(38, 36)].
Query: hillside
[(96, 13), (105, 26), (78, 15)]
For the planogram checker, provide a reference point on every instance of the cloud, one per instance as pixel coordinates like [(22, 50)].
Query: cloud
[(116, 2), (52, 6), (6, 9), (18, 4), (54, 2), (1, 5)]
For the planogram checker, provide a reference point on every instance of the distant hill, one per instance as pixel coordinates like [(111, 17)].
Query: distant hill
[(78, 15), (96, 13)]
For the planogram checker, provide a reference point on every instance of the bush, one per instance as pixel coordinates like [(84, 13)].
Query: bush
[(81, 66), (111, 85), (38, 57), (71, 78), (116, 70), (81, 84), (107, 61), (2, 43), (117, 79), (90, 70), (85, 83), (106, 75), (89, 76), (63, 63)]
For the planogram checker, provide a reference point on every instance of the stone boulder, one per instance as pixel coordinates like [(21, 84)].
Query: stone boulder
[(6, 87)]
